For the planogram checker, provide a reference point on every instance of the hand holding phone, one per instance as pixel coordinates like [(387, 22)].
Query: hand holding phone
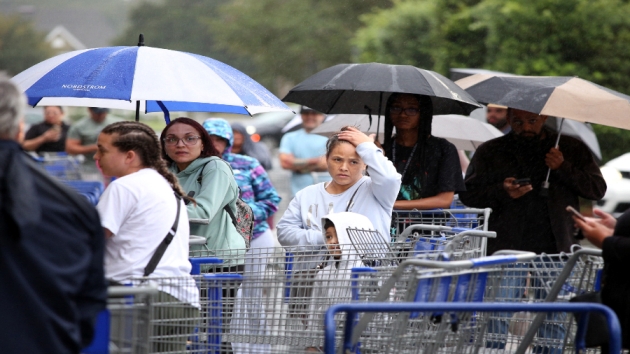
[(522, 181), (577, 214)]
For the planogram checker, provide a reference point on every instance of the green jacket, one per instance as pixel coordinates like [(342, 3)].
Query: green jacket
[(217, 189)]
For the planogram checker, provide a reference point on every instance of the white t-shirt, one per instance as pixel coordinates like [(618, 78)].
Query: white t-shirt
[(139, 209)]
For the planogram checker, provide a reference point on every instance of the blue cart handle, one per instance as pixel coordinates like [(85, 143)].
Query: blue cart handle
[(614, 329)]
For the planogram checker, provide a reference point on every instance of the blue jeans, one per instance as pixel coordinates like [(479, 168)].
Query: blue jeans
[(512, 286)]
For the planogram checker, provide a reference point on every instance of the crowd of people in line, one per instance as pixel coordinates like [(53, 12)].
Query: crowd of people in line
[(53, 244)]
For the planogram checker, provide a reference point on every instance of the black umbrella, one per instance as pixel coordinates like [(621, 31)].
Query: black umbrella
[(364, 88)]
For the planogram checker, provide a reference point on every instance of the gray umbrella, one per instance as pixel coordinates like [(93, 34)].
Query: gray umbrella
[(464, 132)]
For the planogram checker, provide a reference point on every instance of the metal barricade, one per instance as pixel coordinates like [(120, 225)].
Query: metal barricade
[(468, 338)]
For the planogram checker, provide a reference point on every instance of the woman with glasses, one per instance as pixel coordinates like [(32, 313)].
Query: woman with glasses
[(430, 167), (209, 180)]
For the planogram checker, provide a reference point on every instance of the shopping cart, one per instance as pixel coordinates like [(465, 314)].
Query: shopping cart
[(565, 276), (124, 326), (61, 165), (286, 288), (461, 341), (467, 218), (91, 190), (431, 241)]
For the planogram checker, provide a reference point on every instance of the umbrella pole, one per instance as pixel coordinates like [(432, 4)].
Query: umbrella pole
[(378, 122), (137, 111), (545, 187)]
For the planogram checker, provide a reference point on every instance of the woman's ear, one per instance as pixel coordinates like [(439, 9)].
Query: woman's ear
[(130, 156)]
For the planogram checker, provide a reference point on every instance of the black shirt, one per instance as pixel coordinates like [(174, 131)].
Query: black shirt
[(443, 170), (53, 146)]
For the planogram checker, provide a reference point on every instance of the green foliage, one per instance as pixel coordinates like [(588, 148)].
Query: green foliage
[(612, 141), (21, 46), (179, 25), (289, 40), (403, 34)]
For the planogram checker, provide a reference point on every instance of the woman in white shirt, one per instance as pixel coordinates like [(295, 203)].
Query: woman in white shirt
[(348, 154), (137, 211)]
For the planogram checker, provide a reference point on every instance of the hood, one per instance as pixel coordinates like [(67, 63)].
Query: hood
[(220, 127), (342, 222)]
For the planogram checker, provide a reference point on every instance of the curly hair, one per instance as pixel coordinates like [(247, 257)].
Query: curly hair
[(208, 148), (140, 138)]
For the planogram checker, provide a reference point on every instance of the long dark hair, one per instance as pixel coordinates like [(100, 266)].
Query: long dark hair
[(140, 138), (426, 119), (208, 148)]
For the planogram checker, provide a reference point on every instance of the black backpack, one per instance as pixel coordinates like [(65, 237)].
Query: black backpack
[(243, 221)]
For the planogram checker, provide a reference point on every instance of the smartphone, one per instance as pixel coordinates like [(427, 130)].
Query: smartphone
[(522, 181), (570, 209)]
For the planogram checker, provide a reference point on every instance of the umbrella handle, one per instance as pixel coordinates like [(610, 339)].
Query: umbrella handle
[(545, 186), (367, 108)]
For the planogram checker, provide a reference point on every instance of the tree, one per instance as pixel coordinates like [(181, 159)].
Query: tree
[(21, 46), (289, 40), (179, 25)]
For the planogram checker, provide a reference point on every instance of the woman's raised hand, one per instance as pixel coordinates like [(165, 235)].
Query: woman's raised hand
[(354, 136)]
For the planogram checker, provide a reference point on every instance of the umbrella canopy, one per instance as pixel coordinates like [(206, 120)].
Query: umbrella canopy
[(578, 130), (349, 88), (463, 132), (565, 97), (150, 79)]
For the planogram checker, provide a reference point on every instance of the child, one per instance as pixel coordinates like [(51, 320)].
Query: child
[(332, 284)]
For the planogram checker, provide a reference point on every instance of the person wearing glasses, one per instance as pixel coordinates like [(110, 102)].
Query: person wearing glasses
[(187, 148), (430, 166)]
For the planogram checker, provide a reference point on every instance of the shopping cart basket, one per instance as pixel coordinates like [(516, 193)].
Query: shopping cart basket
[(61, 165), (462, 341), (564, 276), (466, 218), (124, 326)]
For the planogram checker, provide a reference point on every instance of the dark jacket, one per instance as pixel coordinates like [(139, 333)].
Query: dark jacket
[(52, 284), (521, 223), (616, 289)]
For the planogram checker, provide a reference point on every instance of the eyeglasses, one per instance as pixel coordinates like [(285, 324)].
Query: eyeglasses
[(188, 140), (408, 111)]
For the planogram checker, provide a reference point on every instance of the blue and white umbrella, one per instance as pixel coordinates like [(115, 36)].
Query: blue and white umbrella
[(147, 79)]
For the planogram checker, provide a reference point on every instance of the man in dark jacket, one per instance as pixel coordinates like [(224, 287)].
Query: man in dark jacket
[(507, 175), (51, 250), (523, 218)]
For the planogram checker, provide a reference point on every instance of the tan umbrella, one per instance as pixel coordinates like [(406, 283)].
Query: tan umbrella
[(559, 96), (464, 132)]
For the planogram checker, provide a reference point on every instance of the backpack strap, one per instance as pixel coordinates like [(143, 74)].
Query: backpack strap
[(159, 252), (227, 206)]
